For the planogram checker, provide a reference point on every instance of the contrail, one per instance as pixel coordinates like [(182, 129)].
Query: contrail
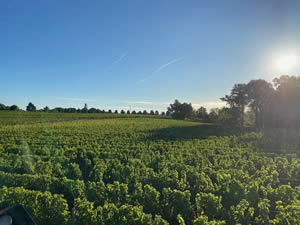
[(118, 60), (161, 67)]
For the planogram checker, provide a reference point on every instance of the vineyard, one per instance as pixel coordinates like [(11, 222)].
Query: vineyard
[(19, 117), (89, 169)]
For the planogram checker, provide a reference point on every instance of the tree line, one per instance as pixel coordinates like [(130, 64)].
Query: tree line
[(32, 108), (262, 103), (266, 104)]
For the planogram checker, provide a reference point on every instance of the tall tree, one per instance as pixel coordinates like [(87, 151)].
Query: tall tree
[(238, 100), (180, 110), (260, 93), (85, 109), (31, 107), (285, 104)]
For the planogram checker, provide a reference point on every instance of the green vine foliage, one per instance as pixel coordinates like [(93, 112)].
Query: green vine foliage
[(142, 170)]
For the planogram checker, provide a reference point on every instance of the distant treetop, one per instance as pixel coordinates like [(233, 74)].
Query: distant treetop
[(30, 107)]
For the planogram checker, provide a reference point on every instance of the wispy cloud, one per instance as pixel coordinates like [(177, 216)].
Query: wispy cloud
[(162, 67), (209, 105), (75, 99), (118, 60)]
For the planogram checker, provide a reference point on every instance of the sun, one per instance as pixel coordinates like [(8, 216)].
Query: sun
[(285, 63)]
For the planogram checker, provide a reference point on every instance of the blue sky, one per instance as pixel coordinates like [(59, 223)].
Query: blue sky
[(143, 53)]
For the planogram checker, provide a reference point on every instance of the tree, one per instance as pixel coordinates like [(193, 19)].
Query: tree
[(46, 109), (133, 112), (228, 116), (260, 93), (238, 100), (122, 111), (92, 110), (151, 112), (14, 108), (30, 107), (202, 114), (174, 108), (180, 110), (70, 110), (213, 115), (58, 109), (109, 111), (284, 108), (145, 112), (116, 112), (128, 112), (85, 109), (2, 107)]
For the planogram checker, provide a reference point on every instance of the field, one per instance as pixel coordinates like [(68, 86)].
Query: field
[(122, 169), (19, 117)]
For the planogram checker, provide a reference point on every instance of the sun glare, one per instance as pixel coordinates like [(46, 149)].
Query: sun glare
[(286, 62)]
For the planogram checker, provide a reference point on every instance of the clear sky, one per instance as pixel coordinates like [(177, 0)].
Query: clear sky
[(143, 53)]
